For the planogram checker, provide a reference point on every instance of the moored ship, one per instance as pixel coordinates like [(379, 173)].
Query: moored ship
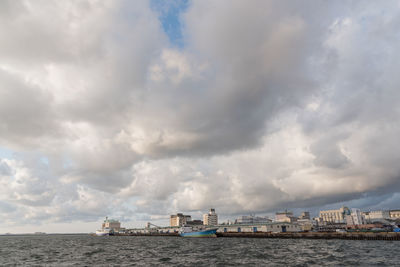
[(190, 232), (109, 227), (104, 232)]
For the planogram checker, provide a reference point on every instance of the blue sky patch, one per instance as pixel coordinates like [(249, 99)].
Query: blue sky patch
[(169, 16), (6, 153)]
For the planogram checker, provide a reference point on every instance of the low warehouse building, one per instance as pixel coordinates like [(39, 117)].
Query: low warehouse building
[(279, 227)]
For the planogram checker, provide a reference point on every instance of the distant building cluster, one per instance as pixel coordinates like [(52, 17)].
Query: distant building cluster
[(356, 216), (179, 219), (355, 219), (328, 220), (342, 219)]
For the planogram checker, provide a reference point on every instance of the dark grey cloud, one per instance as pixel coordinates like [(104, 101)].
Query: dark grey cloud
[(327, 152), (4, 169)]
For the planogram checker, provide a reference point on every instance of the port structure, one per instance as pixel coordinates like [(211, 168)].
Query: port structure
[(149, 224)]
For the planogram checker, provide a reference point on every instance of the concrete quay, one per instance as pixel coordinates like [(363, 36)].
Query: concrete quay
[(147, 234), (318, 235), (390, 236)]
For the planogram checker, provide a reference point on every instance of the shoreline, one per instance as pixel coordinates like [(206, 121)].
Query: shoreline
[(389, 236)]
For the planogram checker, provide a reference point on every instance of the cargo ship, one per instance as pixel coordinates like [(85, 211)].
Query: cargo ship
[(189, 232)]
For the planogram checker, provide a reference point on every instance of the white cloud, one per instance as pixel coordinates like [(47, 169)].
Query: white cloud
[(268, 105)]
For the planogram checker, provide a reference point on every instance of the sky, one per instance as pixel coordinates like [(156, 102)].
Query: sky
[(136, 110)]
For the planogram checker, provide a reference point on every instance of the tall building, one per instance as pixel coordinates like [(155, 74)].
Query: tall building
[(211, 218), (179, 219), (334, 216), (355, 218)]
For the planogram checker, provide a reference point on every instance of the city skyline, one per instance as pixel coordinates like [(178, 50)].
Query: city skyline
[(136, 110)]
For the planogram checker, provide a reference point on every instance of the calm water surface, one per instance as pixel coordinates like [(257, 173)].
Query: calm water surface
[(84, 250)]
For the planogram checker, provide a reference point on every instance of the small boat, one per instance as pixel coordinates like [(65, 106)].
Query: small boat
[(189, 232)]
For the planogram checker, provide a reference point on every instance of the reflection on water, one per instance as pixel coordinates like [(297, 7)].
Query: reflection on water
[(90, 250)]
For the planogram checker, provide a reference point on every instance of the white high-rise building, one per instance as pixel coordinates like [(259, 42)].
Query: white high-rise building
[(355, 218), (211, 218)]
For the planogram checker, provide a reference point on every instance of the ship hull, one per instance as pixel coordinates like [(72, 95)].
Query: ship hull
[(102, 233), (204, 233)]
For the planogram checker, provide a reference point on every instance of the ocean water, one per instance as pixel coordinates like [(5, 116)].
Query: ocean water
[(85, 250)]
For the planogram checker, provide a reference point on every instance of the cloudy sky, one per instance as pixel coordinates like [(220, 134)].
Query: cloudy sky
[(137, 109)]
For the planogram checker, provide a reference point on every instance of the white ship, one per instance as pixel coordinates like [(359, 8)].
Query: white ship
[(104, 232), (109, 227)]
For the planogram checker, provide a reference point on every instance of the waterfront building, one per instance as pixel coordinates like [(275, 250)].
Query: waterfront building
[(377, 215), (179, 219), (317, 220), (394, 214), (275, 227), (305, 215), (306, 224), (286, 216), (355, 218), (245, 219), (249, 219), (366, 226), (211, 218), (111, 224), (194, 222), (334, 216)]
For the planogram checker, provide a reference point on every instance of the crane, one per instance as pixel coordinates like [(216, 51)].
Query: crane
[(149, 224)]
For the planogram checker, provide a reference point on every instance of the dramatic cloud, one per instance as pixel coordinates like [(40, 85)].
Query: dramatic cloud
[(255, 107)]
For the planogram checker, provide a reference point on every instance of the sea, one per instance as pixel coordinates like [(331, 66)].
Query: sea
[(86, 250)]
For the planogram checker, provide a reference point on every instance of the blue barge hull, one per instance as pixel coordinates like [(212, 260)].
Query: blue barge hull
[(204, 233)]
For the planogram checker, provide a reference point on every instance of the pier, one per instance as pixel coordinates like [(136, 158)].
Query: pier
[(319, 235), (147, 234), (390, 236)]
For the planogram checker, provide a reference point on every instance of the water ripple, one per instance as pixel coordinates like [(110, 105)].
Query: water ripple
[(84, 250)]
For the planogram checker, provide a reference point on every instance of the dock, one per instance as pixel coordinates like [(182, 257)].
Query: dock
[(147, 234), (389, 236)]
